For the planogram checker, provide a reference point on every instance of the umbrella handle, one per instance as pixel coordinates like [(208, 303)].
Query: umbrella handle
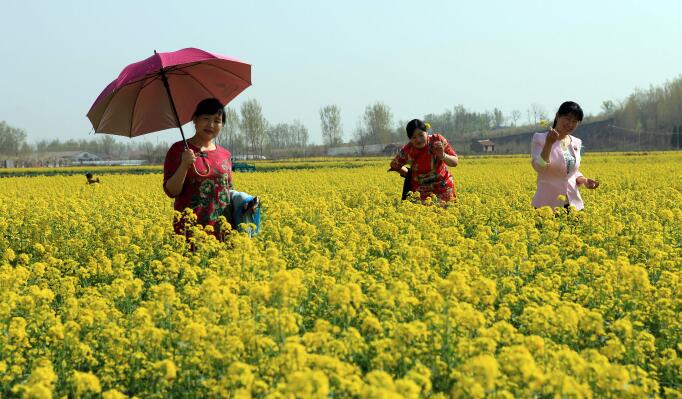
[(164, 79)]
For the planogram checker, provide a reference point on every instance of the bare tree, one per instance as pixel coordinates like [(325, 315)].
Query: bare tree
[(229, 135), (399, 133), (330, 118), (608, 107), (498, 117), (515, 116), (300, 133), (361, 136), (11, 139), (377, 123), (253, 125), (279, 136), (107, 144), (538, 113), (529, 114), (153, 154)]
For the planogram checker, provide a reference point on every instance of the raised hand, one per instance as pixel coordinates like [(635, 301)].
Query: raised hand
[(552, 136)]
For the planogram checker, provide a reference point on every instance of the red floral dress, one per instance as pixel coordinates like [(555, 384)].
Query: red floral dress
[(207, 193), (429, 175)]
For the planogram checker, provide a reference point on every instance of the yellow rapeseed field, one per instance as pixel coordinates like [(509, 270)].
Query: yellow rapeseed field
[(347, 292)]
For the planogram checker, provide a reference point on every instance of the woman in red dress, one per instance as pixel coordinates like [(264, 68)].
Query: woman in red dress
[(429, 156), (200, 177)]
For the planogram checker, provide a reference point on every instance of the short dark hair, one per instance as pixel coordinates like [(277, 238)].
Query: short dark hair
[(413, 125), (569, 108), (209, 106)]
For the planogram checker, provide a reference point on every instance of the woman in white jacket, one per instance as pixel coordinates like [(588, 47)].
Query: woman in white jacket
[(555, 156)]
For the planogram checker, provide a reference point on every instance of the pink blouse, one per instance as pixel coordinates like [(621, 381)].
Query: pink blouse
[(554, 179)]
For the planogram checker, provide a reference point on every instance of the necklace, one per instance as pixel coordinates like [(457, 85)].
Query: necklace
[(565, 142)]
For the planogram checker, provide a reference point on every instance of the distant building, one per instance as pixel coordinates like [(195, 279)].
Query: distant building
[(483, 146), (392, 149), (358, 150), (75, 158), (81, 157), (6, 163), (248, 157)]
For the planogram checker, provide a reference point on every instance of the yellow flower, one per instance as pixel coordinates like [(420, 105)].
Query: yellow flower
[(38, 391), (308, 384), (8, 255), (167, 369), (85, 382), (40, 383), (347, 291), (484, 369), (17, 329), (113, 394)]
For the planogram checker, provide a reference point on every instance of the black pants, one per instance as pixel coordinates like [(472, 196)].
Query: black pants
[(407, 184)]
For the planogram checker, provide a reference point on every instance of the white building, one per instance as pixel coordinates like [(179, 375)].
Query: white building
[(356, 150)]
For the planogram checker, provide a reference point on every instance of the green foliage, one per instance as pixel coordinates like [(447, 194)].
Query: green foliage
[(12, 139)]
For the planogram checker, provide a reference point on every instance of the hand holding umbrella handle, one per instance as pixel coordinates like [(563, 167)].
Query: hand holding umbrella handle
[(190, 158), (177, 120)]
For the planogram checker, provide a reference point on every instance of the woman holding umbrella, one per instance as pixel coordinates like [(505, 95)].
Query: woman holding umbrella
[(199, 176), (160, 92)]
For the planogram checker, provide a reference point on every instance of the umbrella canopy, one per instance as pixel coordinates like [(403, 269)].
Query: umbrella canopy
[(162, 91)]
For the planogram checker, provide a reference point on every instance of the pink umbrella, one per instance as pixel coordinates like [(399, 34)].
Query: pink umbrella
[(162, 91)]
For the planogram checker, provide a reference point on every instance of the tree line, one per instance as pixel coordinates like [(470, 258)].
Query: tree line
[(654, 116)]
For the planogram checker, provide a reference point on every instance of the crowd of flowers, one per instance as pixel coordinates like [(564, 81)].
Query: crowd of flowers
[(348, 291)]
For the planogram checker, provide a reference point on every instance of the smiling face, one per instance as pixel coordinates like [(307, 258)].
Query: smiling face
[(419, 138), (566, 124), (208, 126)]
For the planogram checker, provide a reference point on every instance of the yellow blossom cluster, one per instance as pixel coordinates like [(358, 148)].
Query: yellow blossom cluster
[(348, 291)]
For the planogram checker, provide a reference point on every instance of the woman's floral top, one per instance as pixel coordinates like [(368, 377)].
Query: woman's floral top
[(207, 192), (429, 175)]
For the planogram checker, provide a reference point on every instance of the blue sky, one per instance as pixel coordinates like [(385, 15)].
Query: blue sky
[(416, 57)]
